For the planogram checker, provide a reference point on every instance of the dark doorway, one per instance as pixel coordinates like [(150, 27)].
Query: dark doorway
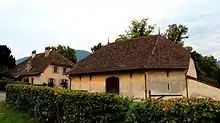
[(112, 85)]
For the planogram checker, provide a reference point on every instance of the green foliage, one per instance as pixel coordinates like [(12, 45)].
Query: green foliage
[(50, 105), (177, 33), (7, 60), (66, 51), (4, 81), (78, 107), (96, 47), (207, 68), (138, 28), (8, 115), (37, 100)]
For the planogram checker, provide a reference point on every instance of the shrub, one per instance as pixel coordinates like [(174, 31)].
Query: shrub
[(3, 82), (50, 105), (83, 107), (37, 100)]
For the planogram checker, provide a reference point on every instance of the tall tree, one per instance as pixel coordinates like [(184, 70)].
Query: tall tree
[(96, 47), (137, 28), (66, 51), (177, 33), (7, 60)]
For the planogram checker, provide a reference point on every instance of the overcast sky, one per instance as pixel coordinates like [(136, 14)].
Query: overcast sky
[(27, 25)]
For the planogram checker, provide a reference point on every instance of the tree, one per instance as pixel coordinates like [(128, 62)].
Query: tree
[(206, 67), (138, 28), (96, 47), (177, 33), (7, 60), (66, 51)]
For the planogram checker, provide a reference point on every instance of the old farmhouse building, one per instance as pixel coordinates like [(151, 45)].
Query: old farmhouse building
[(135, 67), (45, 67)]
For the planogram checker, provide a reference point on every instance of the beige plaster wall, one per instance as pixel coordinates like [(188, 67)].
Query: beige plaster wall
[(198, 89), (135, 86), (128, 86), (192, 69), (158, 83), (48, 73)]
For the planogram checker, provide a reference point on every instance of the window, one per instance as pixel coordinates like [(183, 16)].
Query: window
[(32, 80), (51, 82), (55, 69), (167, 73), (90, 77), (168, 86), (64, 70), (80, 77), (64, 83), (130, 73)]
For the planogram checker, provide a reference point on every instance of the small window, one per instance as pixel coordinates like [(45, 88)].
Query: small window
[(80, 77), (168, 86), (167, 73), (64, 70), (55, 69), (90, 77), (130, 73)]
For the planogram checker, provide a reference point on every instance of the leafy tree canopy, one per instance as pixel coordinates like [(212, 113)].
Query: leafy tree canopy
[(138, 28), (96, 47), (7, 60), (66, 51), (177, 33)]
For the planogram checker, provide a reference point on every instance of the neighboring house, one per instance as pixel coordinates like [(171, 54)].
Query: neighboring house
[(135, 67), (43, 68)]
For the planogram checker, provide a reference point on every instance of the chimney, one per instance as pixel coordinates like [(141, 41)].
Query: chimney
[(33, 54), (47, 51)]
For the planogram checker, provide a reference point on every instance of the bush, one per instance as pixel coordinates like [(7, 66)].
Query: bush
[(83, 107), (50, 105), (4, 82), (37, 100)]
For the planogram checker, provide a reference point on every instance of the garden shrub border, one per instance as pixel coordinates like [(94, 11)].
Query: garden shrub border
[(48, 104)]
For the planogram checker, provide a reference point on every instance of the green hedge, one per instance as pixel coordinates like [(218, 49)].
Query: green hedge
[(37, 100), (51, 105), (76, 106)]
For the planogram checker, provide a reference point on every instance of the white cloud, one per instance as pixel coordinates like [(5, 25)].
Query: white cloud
[(33, 24)]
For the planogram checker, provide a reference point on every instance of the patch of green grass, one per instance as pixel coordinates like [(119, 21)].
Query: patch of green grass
[(8, 115)]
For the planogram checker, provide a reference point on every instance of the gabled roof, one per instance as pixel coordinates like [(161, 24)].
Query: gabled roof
[(150, 52), (38, 64)]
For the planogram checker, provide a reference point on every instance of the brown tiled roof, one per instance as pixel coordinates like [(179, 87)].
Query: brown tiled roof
[(153, 51), (38, 64)]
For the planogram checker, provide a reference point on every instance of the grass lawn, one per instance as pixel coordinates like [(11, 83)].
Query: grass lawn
[(10, 116)]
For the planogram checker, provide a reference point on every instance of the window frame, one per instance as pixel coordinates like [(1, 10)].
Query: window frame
[(57, 71)]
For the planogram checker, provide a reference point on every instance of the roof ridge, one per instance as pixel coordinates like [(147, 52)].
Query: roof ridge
[(158, 36)]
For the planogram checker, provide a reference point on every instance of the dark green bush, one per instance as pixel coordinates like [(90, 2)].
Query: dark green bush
[(3, 82), (37, 100), (49, 105), (83, 107)]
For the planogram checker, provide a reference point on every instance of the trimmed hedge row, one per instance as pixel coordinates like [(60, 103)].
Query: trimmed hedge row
[(37, 100), (92, 107), (52, 105)]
